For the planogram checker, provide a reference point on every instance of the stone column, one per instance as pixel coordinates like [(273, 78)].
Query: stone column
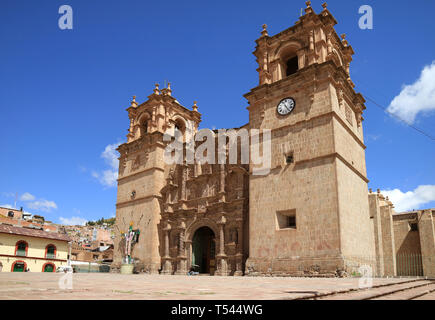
[(167, 265), (427, 242), (222, 258), (376, 215), (222, 183), (181, 258), (388, 246), (239, 255), (188, 244)]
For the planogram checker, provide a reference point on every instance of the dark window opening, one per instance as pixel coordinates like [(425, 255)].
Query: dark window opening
[(292, 66), (413, 226), (21, 249), (10, 214), (291, 222), (289, 159), (51, 252)]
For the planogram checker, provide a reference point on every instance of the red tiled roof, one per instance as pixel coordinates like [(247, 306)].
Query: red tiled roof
[(4, 228)]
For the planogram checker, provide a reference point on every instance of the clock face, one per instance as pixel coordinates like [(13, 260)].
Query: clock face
[(286, 106)]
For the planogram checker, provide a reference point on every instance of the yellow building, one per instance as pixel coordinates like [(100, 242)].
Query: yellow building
[(25, 249)]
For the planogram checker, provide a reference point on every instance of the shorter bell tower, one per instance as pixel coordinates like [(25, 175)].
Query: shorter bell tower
[(142, 172)]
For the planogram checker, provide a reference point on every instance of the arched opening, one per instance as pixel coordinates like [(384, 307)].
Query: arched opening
[(21, 248), (50, 251), (48, 267), (19, 266), (292, 66), (180, 126), (204, 251)]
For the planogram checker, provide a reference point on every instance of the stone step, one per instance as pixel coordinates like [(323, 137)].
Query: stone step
[(367, 294), (409, 294), (427, 296)]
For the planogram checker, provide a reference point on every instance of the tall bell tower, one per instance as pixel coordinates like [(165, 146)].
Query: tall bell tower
[(143, 172), (310, 214)]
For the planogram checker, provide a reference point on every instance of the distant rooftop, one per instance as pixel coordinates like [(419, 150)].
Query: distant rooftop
[(8, 229)]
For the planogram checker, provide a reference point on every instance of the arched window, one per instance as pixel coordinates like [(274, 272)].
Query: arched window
[(292, 66), (19, 266), (180, 126), (10, 214), (48, 267), (21, 248), (50, 251)]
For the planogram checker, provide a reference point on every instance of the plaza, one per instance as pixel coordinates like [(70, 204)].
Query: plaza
[(106, 286)]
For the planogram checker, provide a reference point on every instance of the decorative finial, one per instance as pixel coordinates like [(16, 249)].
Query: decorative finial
[(264, 31), (344, 41), (195, 107), (324, 6), (133, 102), (379, 191), (156, 89), (168, 89), (387, 198), (370, 190), (308, 3)]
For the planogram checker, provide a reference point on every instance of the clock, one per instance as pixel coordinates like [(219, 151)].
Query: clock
[(286, 106)]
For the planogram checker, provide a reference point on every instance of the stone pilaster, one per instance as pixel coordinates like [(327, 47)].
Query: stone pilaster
[(388, 246), (167, 264), (181, 258), (427, 242), (239, 255), (222, 258)]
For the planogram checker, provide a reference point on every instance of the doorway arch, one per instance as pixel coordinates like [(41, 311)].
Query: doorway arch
[(204, 250)]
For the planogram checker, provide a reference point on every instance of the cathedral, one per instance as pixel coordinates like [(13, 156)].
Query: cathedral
[(311, 214)]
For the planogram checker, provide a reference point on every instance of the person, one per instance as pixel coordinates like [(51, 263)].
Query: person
[(192, 271)]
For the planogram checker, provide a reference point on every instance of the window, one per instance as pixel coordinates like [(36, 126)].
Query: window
[(413, 226), (10, 214), (50, 252), (48, 267), (292, 66), (289, 159), (19, 266), (286, 219), (21, 248), (291, 222)]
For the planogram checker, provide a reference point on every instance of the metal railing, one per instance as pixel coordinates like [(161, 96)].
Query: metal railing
[(409, 265)]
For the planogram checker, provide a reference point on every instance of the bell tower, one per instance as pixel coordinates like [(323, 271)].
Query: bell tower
[(310, 214), (143, 172)]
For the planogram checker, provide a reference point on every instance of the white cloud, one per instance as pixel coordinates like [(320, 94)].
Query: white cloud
[(110, 155), (73, 221), (27, 197), (416, 98), (42, 205), (108, 177), (405, 201), (9, 206)]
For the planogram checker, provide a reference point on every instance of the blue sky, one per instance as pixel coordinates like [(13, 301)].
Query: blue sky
[(63, 93)]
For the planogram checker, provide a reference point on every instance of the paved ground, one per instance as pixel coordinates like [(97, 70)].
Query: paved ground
[(117, 286)]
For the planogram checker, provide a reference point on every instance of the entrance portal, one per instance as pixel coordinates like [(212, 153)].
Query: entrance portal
[(203, 251)]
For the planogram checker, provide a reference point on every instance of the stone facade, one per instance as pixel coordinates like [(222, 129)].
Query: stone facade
[(311, 215)]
